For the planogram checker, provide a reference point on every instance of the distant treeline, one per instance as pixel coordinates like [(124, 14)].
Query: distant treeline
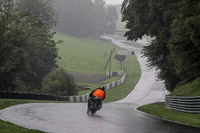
[(85, 18), (175, 25)]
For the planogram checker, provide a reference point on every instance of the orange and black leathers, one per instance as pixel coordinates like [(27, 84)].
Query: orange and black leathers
[(98, 93)]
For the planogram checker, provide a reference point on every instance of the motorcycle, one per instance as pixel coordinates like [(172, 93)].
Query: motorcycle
[(94, 104)]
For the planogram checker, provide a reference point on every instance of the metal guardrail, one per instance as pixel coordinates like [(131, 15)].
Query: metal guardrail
[(32, 96), (183, 104)]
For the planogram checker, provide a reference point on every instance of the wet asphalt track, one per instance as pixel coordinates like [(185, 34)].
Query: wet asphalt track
[(72, 118), (116, 117)]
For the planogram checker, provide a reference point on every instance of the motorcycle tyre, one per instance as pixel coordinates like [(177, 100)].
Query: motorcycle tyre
[(93, 111)]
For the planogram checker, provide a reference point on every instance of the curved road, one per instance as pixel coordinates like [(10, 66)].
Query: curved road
[(116, 117)]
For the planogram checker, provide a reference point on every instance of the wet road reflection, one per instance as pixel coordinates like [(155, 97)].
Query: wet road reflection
[(72, 118)]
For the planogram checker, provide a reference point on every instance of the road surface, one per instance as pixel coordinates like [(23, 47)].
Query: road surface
[(116, 117)]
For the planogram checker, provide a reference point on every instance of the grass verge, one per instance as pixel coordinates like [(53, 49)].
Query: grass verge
[(188, 90), (159, 110), (133, 73)]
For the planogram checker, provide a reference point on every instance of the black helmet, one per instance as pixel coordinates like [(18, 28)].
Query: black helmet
[(102, 88)]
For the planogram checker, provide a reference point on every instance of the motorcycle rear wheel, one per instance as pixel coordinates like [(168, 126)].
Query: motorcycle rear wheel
[(93, 111)]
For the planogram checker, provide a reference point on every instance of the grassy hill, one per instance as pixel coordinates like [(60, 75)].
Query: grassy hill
[(85, 55), (188, 90)]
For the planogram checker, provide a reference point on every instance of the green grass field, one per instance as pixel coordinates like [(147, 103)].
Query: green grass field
[(158, 109), (85, 55)]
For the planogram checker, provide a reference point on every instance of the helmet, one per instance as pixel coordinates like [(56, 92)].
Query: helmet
[(102, 88)]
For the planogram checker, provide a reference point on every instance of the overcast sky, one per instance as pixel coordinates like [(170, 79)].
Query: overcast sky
[(113, 2)]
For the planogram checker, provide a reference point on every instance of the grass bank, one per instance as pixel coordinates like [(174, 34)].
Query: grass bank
[(159, 110), (133, 73), (188, 90), (85, 55)]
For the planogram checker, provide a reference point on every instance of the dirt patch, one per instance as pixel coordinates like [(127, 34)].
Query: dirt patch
[(88, 78)]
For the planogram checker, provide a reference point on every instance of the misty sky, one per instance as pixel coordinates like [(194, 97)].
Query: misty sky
[(113, 2)]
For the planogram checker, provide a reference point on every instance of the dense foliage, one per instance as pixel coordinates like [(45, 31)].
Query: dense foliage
[(176, 28), (59, 82), (85, 18), (27, 49)]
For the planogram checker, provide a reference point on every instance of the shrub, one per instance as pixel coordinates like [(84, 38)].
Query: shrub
[(59, 82)]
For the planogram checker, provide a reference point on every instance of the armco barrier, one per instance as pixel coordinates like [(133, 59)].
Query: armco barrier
[(31, 96), (183, 104), (119, 73), (107, 86), (116, 83)]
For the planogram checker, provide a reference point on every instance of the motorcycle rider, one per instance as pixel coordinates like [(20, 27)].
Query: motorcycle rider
[(95, 94)]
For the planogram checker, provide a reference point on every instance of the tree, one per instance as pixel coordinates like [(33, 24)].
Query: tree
[(27, 51), (110, 20), (13, 56), (85, 18), (175, 26), (58, 82), (153, 18), (41, 10), (184, 44), (43, 52), (99, 14)]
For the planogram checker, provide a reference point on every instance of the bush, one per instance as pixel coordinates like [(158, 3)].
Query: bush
[(58, 82)]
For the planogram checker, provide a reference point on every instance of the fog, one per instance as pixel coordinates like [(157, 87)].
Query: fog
[(85, 18), (113, 2)]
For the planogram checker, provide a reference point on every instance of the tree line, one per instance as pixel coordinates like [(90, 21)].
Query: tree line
[(175, 51), (28, 52), (85, 18)]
